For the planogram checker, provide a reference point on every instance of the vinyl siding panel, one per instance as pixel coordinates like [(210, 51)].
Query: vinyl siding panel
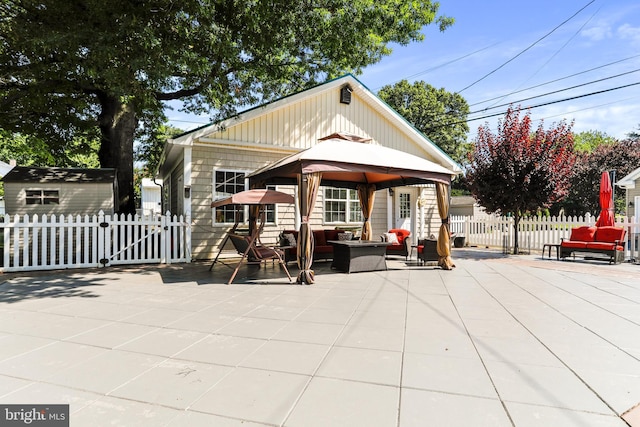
[(301, 124), (74, 199)]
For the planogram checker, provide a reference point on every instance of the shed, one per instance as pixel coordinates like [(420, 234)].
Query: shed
[(34, 190), (151, 197)]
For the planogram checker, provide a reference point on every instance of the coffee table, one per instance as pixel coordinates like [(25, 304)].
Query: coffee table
[(359, 255)]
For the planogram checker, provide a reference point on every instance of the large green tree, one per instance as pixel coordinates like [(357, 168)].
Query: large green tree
[(29, 150), (67, 67), (588, 141), (518, 170), (440, 115)]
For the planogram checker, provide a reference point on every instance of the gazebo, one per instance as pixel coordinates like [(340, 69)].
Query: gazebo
[(349, 161)]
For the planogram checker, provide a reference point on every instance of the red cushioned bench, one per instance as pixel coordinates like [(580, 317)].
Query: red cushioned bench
[(587, 240)]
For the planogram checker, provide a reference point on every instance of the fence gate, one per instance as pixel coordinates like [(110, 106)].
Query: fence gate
[(47, 243)]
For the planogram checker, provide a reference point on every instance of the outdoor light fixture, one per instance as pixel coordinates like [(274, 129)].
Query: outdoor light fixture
[(345, 94), (187, 192)]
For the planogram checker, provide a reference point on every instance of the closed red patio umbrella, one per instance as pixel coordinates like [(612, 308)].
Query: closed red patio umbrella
[(606, 217)]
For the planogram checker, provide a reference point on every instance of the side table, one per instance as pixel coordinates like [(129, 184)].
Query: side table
[(547, 248)]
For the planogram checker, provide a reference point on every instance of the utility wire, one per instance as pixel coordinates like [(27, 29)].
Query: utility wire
[(527, 48), (555, 53), (555, 91), (530, 107), (444, 64), (556, 80)]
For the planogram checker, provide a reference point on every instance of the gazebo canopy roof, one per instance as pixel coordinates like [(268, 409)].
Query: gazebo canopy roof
[(346, 163)]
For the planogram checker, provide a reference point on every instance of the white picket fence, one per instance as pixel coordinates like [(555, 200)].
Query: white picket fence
[(58, 242), (533, 232)]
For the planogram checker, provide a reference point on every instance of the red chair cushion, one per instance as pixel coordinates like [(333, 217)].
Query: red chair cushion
[(318, 238), (583, 234), (573, 244), (609, 234), (401, 233), (331, 234)]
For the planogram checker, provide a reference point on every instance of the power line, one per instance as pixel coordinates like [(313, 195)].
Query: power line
[(527, 48), (444, 64), (555, 53), (530, 107), (556, 91), (556, 80)]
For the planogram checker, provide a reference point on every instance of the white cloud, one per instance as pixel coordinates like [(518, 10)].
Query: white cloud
[(628, 32), (599, 32)]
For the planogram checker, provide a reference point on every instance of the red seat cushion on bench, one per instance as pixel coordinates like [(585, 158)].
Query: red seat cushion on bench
[(583, 234), (573, 244), (609, 234), (604, 246)]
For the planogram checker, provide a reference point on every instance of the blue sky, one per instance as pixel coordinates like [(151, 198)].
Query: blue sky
[(498, 47)]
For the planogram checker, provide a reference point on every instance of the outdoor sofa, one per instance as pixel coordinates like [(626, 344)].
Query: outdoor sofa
[(321, 250), (608, 241)]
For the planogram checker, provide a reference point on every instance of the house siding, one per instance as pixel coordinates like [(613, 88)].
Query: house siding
[(632, 193), (207, 236), (301, 124), (74, 199)]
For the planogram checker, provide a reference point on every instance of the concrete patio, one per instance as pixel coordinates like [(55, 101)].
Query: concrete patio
[(499, 341)]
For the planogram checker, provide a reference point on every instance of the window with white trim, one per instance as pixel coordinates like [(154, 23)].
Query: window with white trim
[(225, 184), (341, 205), (42, 197), (270, 210)]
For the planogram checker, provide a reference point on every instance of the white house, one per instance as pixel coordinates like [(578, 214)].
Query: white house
[(631, 185), (212, 161)]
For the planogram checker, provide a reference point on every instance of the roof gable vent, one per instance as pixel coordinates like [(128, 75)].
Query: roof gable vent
[(345, 94)]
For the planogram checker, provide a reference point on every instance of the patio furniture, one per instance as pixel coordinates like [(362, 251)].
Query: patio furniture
[(546, 248), (608, 241), (401, 245), (250, 246), (427, 250), (353, 256), (322, 249), (249, 249)]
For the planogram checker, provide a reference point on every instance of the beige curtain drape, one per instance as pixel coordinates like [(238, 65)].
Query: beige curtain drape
[(366, 195), (444, 240), (308, 186)]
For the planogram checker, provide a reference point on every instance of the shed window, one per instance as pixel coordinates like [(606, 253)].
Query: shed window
[(42, 197)]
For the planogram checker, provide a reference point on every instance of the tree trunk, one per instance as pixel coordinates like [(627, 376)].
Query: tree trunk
[(118, 123)]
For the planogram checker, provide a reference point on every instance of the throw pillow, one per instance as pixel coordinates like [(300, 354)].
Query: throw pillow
[(345, 236), (290, 239), (391, 238)]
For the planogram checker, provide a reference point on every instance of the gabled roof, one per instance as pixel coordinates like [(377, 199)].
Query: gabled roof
[(4, 168), (629, 181), (360, 89), (52, 175)]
